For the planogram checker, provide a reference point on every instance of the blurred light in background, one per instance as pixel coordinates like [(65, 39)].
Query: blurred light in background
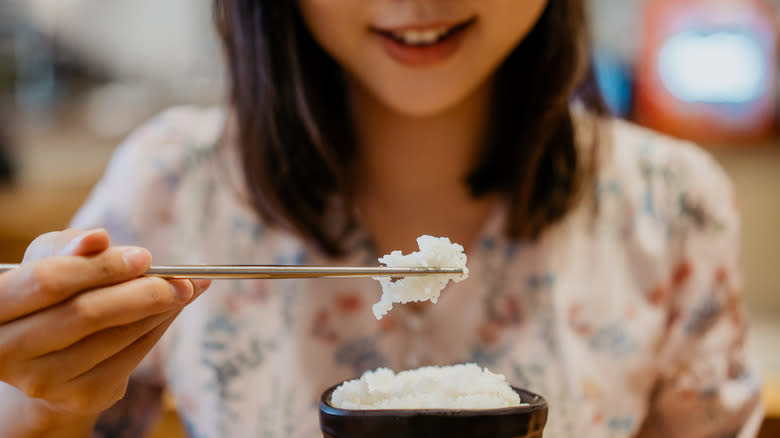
[(718, 67), (706, 70)]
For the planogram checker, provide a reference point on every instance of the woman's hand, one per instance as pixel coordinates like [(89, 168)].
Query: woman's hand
[(75, 320)]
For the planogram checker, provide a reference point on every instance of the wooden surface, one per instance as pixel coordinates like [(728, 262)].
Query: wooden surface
[(771, 395), (26, 212), (169, 425)]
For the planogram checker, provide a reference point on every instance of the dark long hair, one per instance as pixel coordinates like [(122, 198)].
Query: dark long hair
[(296, 139)]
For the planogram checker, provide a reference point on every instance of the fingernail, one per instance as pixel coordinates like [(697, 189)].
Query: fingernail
[(70, 248), (200, 284), (135, 258), (184, 290)]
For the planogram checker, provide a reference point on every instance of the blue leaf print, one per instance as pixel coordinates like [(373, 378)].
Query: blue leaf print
[(620, 424), (360, 355), (544, 280), (222, 323), (614, 340), (172, 181), (703, 315), (488, 243)]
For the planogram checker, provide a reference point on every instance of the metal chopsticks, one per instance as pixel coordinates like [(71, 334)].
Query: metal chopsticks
[(281, 272)]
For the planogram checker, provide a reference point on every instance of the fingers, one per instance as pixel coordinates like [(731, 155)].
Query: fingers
[(92, 383), (36, 286), (200, 286), (61, 326), (100, 387), (91, 374), (95, 349), (68, 242), (78, 317)]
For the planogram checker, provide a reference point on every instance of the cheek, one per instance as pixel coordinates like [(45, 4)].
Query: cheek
[(333, 23), (512, 20)]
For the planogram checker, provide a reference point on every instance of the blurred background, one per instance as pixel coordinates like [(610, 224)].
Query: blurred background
[(77, 75)]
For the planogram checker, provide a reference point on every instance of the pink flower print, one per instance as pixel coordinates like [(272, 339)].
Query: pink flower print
[(577, 322), (658, 295), (349, 303), (681, 274), (736, 369), (234, 304), (387, 324), (489, 331), (321, 328), (512, 311), (721, 275), (238, 302), (674, 316), (734, 310)]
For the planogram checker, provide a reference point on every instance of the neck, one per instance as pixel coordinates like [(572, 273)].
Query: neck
[(411, 171), (404, 157)]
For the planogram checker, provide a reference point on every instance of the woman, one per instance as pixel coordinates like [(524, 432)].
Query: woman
[(603, 257)]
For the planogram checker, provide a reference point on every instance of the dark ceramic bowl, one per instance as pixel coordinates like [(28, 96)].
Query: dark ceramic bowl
[(519, 422)]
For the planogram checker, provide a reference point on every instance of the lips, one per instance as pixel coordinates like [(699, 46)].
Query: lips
[(422, 45)]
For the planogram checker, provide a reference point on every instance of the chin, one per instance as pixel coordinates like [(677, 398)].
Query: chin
[(422, 103), (419, 108)]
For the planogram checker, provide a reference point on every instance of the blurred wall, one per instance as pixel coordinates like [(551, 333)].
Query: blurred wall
[(169, 43)]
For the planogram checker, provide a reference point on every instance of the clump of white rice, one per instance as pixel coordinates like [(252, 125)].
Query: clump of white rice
[(435, 252), (460, 387)]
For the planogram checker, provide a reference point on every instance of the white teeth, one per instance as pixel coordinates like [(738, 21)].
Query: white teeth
[(430, 36), (414, 37)]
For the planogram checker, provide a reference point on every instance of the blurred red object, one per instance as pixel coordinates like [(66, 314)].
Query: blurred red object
[(707, 70)]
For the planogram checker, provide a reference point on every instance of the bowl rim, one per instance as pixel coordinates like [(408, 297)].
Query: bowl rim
[(531, 402)]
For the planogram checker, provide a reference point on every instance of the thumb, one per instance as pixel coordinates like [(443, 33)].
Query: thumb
[(69, 242)]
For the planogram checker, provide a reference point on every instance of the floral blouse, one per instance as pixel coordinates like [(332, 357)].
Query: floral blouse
[(625, 316)]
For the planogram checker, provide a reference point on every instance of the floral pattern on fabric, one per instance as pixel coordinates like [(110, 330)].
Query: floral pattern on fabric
[(626, 317)]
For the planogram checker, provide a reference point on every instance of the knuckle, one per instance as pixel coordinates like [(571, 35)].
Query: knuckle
[(42, 279), (79, 402), (36, 386), (85, 312), (7, 349)]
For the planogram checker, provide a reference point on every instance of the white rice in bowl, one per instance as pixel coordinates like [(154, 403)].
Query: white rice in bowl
[(435, 252), (457, 387)]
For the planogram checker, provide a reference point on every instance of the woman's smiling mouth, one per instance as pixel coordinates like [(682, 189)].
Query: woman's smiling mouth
[(423, 45)]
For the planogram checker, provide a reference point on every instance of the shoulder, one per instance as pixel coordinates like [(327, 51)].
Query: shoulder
[(172, 135), (144, 175), (669, 179), (633, 146)]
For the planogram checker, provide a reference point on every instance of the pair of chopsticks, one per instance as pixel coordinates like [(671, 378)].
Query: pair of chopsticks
[(281, 272)]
